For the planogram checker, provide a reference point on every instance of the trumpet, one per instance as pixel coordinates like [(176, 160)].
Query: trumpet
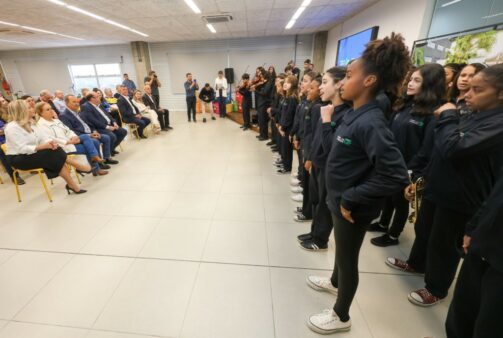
[(415, 203)]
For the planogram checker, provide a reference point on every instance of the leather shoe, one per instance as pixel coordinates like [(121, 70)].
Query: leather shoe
[(97, 159), (104, 166), (165, 129), (110, 161), (100, 172), (262, 139), (169, 127), (143, 136), (115, 152)]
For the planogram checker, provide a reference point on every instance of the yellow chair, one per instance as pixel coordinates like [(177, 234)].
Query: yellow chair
[(133, 128), (70, 169), (39, 171)]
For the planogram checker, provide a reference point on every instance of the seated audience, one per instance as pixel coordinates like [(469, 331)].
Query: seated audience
[(162, 114), (146, 111), (131, 114), (59, 101), (101, 121), (50, 127), (84, 92), (4, 119), (71, 118), (112, 102), (26, 150)]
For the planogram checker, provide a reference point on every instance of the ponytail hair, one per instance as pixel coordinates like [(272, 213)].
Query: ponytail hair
[(337, 73)]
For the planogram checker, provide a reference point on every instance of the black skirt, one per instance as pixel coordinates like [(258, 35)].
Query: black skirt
[(50, 160)]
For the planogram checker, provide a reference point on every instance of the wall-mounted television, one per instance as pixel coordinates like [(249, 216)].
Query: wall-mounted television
[(352, 47)]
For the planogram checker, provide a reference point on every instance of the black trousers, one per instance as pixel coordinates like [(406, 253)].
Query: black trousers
[(307, 204), (322, 224), (163, 116), (398, 205), (115, 115), (262, 120), (286, 151), (191, 107), (475, 310), (157, 99), (141, 123), (422, 228), (50, 160), (246, 106), (348, 241), (274, 132), (444, 250)]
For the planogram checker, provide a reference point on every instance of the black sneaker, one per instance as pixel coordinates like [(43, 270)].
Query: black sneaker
[(301, 218), (309, 245), (298, 210), (242, 127), (384, 240), (376, 226), (270, 143), (213, 118), (283, 171), (304, 237), (204, 120)]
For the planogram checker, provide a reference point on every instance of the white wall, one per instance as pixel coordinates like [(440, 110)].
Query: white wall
[(240, 54), (408, 17), (30, 71)]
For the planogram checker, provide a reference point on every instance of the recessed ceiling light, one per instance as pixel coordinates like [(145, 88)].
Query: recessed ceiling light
[(298, 12), (211, 28), (97, 17), (12, 41), (451, 3), (193, 6)]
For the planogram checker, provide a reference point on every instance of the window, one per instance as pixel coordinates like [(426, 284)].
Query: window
[(106, 75)]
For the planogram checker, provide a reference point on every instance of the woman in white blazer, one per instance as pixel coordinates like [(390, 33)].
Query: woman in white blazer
[(28, 149), (221, 93), (50, 127), (146, 111)]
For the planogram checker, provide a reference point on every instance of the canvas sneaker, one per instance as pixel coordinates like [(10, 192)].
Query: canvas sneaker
[(423, 297), (327, 322), (323, 284)]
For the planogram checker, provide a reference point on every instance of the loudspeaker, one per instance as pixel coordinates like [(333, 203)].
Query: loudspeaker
[(229, 75)]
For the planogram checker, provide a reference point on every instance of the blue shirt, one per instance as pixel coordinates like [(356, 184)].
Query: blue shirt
[(190, 91), (129, 84), (2, 127)]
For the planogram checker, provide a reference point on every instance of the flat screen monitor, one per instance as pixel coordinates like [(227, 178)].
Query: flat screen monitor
[(352, 47)]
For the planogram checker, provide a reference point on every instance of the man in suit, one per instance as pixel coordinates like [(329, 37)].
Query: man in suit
[(131, 114), (46, 96), (100, 120), (162, 114), (70, 117)]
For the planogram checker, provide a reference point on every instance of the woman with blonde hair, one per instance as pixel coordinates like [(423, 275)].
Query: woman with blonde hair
[(50, 127), (27, 149), (146, 111)]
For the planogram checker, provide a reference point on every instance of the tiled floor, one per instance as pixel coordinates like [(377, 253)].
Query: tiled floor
[(191, 235)]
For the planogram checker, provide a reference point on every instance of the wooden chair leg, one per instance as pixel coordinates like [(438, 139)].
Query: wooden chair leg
[(45, 186), (17, 186)]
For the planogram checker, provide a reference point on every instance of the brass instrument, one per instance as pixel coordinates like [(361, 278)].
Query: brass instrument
[(416, 200)]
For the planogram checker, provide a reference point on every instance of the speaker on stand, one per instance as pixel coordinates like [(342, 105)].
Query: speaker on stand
[(229, 75)]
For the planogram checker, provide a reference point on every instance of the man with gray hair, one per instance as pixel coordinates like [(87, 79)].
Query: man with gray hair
[(46, 96), (59, 101)]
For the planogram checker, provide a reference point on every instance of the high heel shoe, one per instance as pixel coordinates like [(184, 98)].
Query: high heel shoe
[(81, 172), (68, 189)]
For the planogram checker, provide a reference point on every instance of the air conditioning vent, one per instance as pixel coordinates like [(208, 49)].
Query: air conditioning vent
[(218, 18)]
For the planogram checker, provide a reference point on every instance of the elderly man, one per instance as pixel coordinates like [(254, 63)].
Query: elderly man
[(59, 101), (131, 114), (112, 101), (162, 114), (100, 120), (46, 96)]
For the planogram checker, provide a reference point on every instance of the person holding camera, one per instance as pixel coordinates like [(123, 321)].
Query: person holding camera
[(207, 95), (190, 95), (154, 84)]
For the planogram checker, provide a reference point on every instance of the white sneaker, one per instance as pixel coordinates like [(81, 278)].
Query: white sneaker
[(296, 189), (327, 322), (298, 197), (294, 182), (319, 283)]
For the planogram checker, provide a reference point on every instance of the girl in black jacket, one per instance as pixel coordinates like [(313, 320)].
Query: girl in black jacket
[(425, 93), (363, 167), (286, 122), (476, 148)]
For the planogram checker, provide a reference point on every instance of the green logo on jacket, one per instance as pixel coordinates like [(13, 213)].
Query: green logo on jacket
[(344, 140)]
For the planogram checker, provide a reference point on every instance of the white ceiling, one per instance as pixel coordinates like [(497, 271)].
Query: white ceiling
[(165, 20)]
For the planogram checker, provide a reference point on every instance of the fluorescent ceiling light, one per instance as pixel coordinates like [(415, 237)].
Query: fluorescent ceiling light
[(9, 24), (492, 15), (451, 3), (70, 37), (38, 30), (298, 12), (193, 6), (81, 11), (94, 16), (211, 28), (3, 40)]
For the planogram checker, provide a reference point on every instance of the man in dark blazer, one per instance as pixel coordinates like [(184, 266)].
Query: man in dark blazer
[(131, 114), (98, 119), (162, 114), (71, 118)]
